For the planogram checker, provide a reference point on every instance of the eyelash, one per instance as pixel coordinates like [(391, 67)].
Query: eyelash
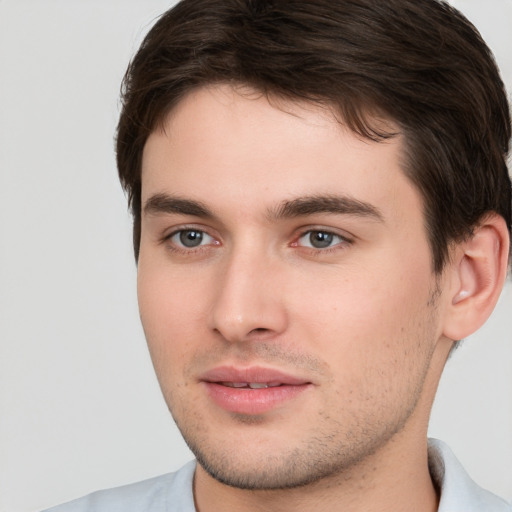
[(342, 243)]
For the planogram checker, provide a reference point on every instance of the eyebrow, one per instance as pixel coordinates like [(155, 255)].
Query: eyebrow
[(340, 205), (298, 207), (164, 203)]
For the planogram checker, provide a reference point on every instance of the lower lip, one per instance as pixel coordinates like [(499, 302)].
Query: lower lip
[(253, 401)]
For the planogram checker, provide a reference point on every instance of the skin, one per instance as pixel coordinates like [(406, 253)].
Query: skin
[(361, 320)]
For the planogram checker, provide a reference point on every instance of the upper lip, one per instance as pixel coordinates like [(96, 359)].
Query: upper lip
[(253, 374)]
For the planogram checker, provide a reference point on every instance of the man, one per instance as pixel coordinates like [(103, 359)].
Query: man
[(322, 209)]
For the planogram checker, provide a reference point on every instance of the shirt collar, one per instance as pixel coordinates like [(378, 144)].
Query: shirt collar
[(458, 492)]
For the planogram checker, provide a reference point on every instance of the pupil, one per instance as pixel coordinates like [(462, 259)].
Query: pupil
[(191, 238), (320, 239)]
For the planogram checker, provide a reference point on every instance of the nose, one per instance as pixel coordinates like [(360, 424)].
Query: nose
[(249, 302)]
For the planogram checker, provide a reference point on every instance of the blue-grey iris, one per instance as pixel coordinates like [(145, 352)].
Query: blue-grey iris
[(191, 238), (320, 239)]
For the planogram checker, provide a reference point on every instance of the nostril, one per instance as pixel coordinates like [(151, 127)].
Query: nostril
[(260, 335), (259, 330)]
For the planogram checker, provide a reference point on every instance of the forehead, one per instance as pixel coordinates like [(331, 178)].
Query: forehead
[(250, 149)]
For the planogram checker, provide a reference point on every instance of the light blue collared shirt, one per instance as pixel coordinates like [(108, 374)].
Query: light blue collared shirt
[(173, 492)]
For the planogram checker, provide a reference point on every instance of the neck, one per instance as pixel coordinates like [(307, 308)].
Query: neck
[(394, 479)]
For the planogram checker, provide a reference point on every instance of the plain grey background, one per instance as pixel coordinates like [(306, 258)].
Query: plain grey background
[(80, 408)]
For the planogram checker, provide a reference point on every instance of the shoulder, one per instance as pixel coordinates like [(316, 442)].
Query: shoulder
[(459, 493), (156, 494)]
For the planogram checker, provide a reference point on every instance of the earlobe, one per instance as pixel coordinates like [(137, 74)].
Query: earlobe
[(479, 270)]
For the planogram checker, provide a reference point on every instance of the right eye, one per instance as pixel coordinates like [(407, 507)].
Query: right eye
[(190, 238)]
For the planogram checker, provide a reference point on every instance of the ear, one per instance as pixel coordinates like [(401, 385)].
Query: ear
[(478, 272)]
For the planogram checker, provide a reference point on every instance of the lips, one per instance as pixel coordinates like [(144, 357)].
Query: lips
[(252, 385), (252, 391)]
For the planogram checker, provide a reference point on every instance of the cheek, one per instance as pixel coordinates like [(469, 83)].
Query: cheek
[(371, 319), (171, 312)]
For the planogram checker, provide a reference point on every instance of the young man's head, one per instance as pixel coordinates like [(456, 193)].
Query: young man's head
[(321, 206)]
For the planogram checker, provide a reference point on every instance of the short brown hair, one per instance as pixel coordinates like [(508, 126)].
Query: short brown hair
[(419, 63)]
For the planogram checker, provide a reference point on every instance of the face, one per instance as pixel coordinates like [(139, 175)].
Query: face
[(285, 287)]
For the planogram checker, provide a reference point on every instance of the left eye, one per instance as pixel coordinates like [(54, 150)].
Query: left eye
[(190, 238), (320, 239)]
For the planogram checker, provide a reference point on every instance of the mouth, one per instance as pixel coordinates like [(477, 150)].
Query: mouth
[(252, 391), (251, 385)]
